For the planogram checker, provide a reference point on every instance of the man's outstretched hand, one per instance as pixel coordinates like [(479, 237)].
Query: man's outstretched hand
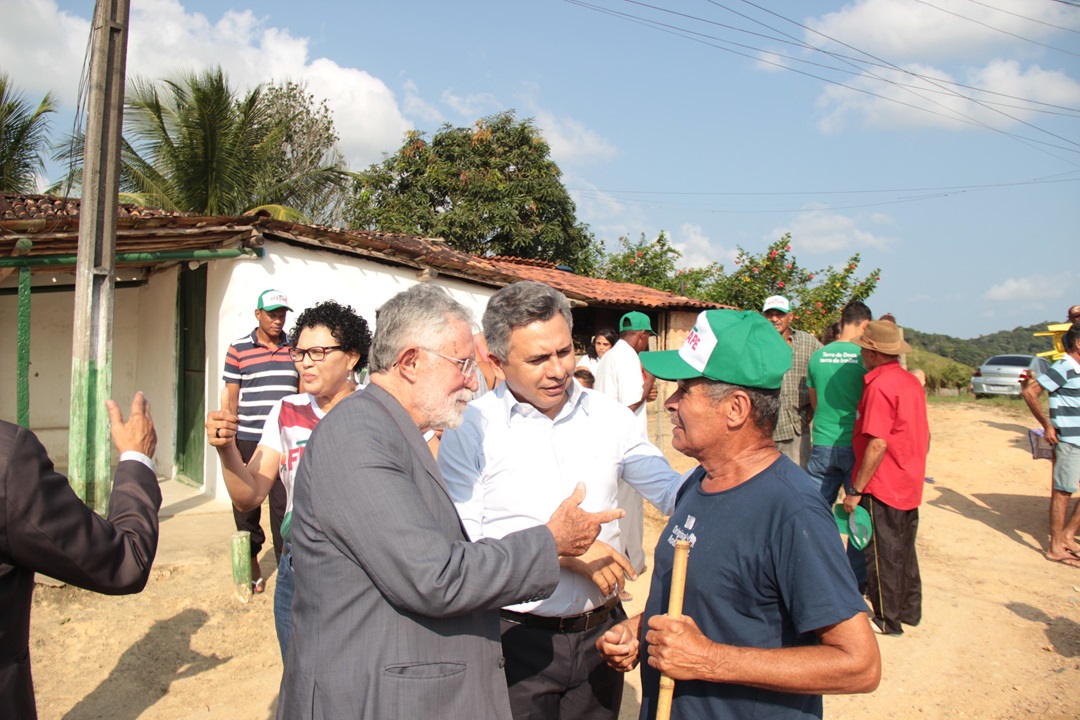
[(137, 434), (573, 528)]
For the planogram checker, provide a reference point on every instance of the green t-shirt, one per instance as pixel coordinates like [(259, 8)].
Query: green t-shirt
[(836, 374)]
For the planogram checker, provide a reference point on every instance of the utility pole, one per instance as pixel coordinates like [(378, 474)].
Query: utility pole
[(90, 448)]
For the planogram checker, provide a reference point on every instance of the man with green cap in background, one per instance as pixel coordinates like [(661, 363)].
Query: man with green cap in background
[(772, 618), (792, 434), (620, 376), (258, 373)]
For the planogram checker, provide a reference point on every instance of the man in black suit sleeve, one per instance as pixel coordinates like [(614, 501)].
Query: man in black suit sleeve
[(45, 527)]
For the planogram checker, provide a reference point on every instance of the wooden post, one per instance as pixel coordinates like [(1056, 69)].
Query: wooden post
[(89, 447), (675, 602), (22, 365), (241, 565)]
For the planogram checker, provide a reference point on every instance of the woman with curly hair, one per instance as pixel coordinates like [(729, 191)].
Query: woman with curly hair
[(330, 345)]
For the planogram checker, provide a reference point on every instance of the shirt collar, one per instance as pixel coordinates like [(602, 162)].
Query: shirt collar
[(283, 340), (892, 364), (511, 406)]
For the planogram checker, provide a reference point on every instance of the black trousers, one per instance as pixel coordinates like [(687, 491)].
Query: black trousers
[(554, 675), (893, 583), (252, 519)]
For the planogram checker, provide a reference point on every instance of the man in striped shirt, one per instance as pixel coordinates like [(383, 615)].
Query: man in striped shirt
[(258, 373), (1062, 430)]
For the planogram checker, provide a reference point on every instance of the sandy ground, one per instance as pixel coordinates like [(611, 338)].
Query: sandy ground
[(1000, 636)]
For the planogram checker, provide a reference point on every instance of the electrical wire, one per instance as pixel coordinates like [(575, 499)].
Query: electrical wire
[(927, 193), (1025, 17), (902, 70), (953, 115), (995, 29)]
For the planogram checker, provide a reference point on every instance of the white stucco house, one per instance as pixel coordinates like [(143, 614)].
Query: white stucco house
[(180, 301)]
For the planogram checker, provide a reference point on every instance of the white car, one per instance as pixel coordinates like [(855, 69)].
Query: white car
[(1001, 375)]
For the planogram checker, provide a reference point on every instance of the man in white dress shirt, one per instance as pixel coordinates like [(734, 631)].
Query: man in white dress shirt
[(510, 463), (619, 375)]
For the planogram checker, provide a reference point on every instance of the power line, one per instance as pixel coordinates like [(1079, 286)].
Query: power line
[(791, 40), (995, 29), (902, 70), (928, 194), (954, 115), (945, 188), (1025, 17)]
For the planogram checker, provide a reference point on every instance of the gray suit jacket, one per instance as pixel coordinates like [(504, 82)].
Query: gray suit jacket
[(396, 612)]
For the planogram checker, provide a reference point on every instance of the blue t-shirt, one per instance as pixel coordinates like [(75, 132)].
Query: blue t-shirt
[(767, 568)]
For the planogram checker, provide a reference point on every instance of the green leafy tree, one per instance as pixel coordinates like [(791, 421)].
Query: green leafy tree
[(308, 148), (654, 264), (24, 137), (193, 144), (490, 189), (818, 295)]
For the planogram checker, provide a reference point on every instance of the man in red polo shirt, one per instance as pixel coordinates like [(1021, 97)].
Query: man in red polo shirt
[(891, 440)]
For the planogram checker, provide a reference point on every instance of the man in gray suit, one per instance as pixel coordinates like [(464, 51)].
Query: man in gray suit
[(396, 612)]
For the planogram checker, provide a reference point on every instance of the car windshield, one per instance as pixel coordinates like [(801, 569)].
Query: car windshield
[(1015, 360)]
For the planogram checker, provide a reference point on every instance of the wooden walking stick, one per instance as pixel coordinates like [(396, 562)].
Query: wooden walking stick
[(675, 598)]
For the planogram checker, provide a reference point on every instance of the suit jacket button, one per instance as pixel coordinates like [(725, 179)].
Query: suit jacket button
[(502, 662)]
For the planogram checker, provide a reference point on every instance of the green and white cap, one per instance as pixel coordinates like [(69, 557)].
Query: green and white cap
[(732, 346), (272, 300)]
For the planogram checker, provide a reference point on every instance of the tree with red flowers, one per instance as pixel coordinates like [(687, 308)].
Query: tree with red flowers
[(818, 295)]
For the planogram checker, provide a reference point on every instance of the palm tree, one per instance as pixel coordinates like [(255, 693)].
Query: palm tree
[(191, 144), (23, 138)]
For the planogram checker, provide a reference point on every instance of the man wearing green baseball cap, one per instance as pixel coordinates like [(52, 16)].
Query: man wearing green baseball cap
[(619, 376), (258, 372), (772, 617)]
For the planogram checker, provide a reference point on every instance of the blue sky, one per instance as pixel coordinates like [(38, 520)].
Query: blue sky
[(970, 209)]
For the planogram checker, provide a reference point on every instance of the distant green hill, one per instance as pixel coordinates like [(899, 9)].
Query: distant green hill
[(975, 351), (941, 372)]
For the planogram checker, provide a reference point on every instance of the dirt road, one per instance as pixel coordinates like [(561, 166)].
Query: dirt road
[(1000, 636)]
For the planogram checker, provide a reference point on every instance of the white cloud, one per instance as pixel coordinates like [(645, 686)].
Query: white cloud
[(474, 106), (822, 231), (909, 101), (900, 30), (46, 45), (698, 250), (927, 41), (571, 141), (609, 218), (37, 41), (1032, 289), (415, 106)]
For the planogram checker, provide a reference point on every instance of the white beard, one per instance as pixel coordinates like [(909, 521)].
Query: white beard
[(444, 411)]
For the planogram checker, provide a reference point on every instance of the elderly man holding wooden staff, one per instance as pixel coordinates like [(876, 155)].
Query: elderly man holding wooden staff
[(772, 618)]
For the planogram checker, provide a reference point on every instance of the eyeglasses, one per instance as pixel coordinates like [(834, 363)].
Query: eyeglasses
[(467, 366), (317, 354)]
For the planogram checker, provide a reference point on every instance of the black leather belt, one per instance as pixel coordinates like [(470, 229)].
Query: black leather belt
[(574, 624)]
